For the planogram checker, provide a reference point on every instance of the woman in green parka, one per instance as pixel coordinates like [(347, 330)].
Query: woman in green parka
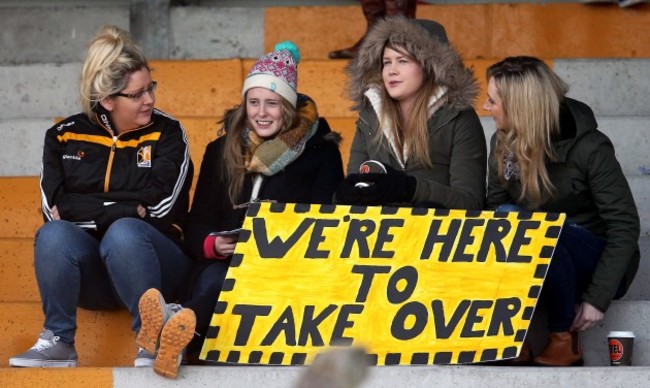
[(415, 99), (547, 155)]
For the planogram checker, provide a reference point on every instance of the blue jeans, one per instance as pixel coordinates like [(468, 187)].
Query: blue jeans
[(573, 264), (74, 269)]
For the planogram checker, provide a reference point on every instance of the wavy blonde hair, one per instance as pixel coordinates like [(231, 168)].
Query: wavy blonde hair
[(414, 132), (531, 94), (233, 123), (112, 58)]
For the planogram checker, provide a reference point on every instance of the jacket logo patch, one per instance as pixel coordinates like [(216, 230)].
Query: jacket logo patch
[(78, 156), (144, 156), (75, 157)]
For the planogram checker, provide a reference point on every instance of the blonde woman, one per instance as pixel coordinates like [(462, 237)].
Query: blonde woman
[(114, 186), (416, 117), (548, 155)]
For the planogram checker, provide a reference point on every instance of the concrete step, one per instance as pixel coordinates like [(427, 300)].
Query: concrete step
[(640, 288), (378, 377), (616, 87), (215, 32), (103, 338), (63, 32), (480, 30), (17, 269), (612, 87)]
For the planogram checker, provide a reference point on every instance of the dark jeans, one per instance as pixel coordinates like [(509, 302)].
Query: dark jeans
[(74, 269), (205, 288), (573, 264)]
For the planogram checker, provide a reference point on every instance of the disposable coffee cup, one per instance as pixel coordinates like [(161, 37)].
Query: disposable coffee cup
[(621, 346)]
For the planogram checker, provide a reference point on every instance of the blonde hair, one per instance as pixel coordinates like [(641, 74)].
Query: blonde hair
[(234, 121), (112, 58), (412, 133), (531, 94)]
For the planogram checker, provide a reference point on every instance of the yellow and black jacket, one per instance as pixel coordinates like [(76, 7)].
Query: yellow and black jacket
[(95, 176)]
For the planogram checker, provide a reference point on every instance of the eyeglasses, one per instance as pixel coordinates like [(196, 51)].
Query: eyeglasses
[(151, 89)]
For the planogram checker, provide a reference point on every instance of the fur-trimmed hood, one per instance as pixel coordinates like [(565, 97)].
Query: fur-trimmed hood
[(417, 37)]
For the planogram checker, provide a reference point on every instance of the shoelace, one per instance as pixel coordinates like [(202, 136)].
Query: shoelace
[(42, 344), (144, 353), (174, 307)]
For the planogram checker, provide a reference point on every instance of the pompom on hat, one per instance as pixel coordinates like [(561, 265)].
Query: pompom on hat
[(276, 71)]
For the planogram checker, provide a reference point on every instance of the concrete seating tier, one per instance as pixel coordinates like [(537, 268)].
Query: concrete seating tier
[(491, 30), (602, 51)]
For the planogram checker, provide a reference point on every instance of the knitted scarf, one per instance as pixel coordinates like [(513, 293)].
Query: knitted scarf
[(268, 157)]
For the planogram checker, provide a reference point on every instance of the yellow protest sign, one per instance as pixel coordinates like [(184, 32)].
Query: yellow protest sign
[(413, 286)]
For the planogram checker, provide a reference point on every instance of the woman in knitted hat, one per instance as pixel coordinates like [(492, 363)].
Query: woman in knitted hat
[(548, 155), (415, 99), (274, 147)]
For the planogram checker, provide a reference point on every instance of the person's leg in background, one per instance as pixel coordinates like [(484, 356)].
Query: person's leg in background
[(374, 10)]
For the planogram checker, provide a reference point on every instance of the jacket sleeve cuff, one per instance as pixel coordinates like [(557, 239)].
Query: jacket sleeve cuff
[(208, 249)]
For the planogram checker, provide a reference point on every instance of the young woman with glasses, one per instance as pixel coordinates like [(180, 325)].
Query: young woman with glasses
[(114, 187)]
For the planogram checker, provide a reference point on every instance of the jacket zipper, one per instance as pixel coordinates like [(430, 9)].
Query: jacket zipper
[(109, 167), (391, 149)]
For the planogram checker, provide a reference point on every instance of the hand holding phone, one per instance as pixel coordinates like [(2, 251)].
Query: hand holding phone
[(225, 241)]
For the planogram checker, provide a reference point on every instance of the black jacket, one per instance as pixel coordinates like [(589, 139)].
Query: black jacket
[(593, 192), (311, 178), (95, 177)]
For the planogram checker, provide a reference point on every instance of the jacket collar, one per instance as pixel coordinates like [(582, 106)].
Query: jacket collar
[(373, 94)]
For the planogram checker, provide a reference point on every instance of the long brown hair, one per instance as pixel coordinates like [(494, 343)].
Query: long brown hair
[(412, 133), (233, 123), (531, 94)]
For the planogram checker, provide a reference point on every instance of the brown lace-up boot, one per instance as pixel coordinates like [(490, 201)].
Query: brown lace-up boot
[(524, 358), (562, 349)]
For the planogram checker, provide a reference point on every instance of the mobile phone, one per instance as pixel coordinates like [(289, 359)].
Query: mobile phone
[(227, 232)]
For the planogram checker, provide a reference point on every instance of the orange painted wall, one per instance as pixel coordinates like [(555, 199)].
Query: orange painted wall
[(497, 30)]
